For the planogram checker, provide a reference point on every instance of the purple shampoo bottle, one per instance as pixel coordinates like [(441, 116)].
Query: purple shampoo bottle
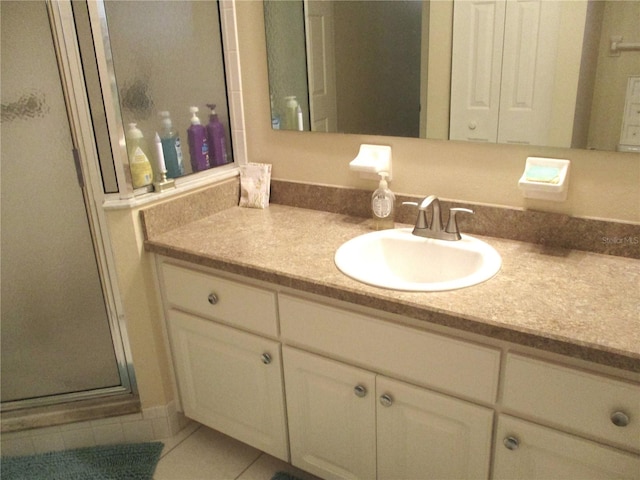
[(198, 146), (216, 139)]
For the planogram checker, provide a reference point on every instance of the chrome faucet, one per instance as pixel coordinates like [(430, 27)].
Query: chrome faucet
[(434, 229)]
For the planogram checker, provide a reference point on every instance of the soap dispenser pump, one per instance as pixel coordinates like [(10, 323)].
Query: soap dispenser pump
[(383, 205)]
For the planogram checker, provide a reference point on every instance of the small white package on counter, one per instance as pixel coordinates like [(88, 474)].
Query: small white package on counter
[(255, 185)]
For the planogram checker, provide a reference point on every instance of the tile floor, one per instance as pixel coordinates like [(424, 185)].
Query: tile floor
[(200, 453)]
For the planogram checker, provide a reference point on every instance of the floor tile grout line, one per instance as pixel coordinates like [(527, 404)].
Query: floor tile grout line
[(249, 466), (164, 454)]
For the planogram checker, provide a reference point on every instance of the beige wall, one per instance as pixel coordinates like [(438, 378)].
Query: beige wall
[(603, 185), (142, 310)]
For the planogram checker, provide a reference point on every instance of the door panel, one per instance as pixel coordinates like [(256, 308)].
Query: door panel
[(321, 65), (225, 384), (424, 434), (55, 329), (331, 429)]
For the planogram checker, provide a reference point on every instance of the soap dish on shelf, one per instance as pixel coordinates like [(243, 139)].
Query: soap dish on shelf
[(545, 178)]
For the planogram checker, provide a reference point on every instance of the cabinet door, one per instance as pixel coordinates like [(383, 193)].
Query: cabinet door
[(423, 434), (231, 381), (528, 451), (331, 411)]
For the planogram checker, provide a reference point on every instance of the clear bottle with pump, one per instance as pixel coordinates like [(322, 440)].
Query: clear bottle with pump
[(137, 151), (383, 205), (291, 116), (198, 146), (275, 116), (171, 148), (216, 139)]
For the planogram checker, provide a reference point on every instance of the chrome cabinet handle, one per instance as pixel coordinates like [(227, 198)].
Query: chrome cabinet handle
[(386, 400), (360, 391), (213, 298), (512, 443), (620, 419), (266, 358)]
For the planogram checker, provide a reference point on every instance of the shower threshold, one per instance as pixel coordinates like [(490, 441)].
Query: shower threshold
[(70, 412)]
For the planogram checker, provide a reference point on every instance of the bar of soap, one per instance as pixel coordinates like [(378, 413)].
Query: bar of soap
[(537, 173)]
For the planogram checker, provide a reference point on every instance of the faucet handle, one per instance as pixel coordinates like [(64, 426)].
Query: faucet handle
[(421, 222), (452, 224)]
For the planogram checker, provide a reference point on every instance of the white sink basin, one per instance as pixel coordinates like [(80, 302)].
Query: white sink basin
[(398, 260)]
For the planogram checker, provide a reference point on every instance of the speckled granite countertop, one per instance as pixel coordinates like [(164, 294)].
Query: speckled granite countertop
[(576, 303)]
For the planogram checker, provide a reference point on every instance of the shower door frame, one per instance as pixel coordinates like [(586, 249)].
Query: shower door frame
[(72, 80)]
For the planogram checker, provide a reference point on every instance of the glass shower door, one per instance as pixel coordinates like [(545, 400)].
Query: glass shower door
[(56, 336)]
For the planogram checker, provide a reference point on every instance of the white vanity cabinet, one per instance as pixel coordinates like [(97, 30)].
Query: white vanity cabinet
[(228, 378), (566, 400), (348, 420), (377, 399)]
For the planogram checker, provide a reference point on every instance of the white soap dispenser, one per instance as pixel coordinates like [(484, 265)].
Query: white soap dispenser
[(383, 205)]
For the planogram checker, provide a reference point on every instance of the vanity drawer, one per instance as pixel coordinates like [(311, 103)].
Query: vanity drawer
[(234, 303), (405, 353), (573, 399)]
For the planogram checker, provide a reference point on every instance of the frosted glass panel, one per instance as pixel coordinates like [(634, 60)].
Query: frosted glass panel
[(55, 330), (168, 56)]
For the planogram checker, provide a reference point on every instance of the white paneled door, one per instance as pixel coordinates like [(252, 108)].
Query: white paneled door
[(503, 70)]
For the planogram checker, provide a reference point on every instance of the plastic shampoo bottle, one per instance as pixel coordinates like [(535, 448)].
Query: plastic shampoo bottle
[(171, 148), (198, 147), (383, 205), (137, 151), (216, 139)]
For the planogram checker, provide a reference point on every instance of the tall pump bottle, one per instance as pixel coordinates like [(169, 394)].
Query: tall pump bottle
[(137, 151), (291, 116), (198, 146), (383, 205), (171, 148), (216, 139)]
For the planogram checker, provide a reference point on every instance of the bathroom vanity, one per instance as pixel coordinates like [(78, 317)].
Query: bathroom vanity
[(532, 374)]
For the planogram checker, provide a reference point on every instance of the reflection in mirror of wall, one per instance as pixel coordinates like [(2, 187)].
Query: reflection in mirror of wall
[(168, 57), (536, 72)]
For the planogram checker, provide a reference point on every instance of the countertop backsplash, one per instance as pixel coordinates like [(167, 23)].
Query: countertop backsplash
[(552, 230)]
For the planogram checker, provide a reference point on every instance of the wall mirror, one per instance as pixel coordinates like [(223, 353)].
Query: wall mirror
[(539, 72)]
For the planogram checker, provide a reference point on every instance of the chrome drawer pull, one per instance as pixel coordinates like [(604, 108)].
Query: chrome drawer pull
[(512, 443), (213, 298), (620, 419), (266, 358), (386, 400), (360, 391)]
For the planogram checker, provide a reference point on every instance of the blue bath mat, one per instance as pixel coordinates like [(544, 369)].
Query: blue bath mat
[(283, 476), (133, 461)]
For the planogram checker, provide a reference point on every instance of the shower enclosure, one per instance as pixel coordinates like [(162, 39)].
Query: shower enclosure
[(64, 162), (61, 339)]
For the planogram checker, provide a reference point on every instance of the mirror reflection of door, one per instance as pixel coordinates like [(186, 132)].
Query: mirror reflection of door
[(321, 65), (504, 64)]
